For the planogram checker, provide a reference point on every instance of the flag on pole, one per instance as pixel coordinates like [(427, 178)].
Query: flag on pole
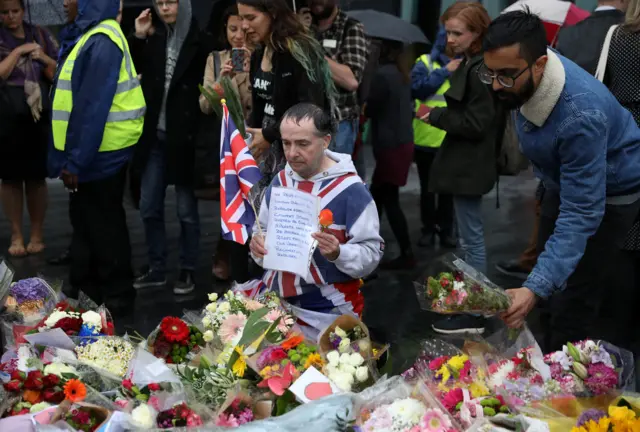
[(238, 173)]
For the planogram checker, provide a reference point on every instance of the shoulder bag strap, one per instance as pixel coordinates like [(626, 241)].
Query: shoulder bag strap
[(216, 65), (604, 54)]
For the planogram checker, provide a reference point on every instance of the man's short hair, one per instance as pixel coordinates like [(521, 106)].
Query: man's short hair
[(518, 27), (322, 120)]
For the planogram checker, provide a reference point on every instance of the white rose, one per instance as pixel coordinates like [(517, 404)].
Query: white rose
[(39, 407), (207, 336), (55, 316), (58, 369), (356, 359), (347, 368), (344, 381), (333, 357), (92, 319), (345, 358), (345, 345), (213, 297), (340, 333), (362, 374), (331, 369), (206, 321), (224, 307), (143, 417), (212, 307)]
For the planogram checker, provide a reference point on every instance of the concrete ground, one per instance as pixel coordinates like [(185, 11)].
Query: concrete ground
[(392, 311)]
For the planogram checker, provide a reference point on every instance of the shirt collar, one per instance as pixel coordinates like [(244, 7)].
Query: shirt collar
[(538, 109), (604, 8)]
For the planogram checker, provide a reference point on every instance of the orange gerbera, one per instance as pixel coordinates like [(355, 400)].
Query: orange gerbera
[(74, 390), (292, 342), (32, 396)]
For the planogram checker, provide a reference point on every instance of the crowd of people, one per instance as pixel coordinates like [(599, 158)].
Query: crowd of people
[(128, 110)]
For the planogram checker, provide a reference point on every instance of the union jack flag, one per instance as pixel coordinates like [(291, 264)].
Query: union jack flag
[(238, 173)]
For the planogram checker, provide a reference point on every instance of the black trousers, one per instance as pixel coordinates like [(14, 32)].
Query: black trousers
[(387, 199), (436, 210), (100, 248), (600, 297)]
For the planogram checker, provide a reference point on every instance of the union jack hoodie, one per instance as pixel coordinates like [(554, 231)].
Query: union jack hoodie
[(332, 285)]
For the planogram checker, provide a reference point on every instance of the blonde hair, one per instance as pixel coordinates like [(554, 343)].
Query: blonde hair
[(632, 21)]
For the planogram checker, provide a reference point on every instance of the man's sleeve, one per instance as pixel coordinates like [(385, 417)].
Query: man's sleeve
[(354, 50), (425, 84), (583, 193), (94, 81)]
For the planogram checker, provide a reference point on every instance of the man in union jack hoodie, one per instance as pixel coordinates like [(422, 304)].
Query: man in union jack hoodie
[(349, 249)]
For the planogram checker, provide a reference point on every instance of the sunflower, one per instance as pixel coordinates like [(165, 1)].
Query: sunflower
[(174, 329), (314, 360), (292, 342), (74, 390)]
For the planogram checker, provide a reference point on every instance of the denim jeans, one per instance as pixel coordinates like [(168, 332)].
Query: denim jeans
[(152, 211), (345, 139), (468, 213)]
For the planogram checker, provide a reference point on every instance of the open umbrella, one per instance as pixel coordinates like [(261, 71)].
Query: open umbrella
[(554, 13), (382, 25)]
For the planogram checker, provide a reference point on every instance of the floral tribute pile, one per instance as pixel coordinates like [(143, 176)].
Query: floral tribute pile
[(110, 354), (175, 341), (407, 415), (178, 416), (28, 298), (75, 321)]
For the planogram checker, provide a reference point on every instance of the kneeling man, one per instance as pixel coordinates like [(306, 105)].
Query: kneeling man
[(350, 248)]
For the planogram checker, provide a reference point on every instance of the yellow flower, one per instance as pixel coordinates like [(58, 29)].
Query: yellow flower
[(314, 360), (478, 389), (240, 366), (591, 426), (621, 413), (444, 373), (457, 362)]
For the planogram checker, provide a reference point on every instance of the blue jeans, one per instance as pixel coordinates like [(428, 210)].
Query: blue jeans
[(345, 139), (152, 211), (468, 213)]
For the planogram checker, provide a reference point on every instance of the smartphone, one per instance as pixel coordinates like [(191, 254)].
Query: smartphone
[(423, 110), (237, 59)]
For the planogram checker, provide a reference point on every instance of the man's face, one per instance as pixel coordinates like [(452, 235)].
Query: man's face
[(303, 148), (71, 9), (507, 63), (168, 10), (321, 9)]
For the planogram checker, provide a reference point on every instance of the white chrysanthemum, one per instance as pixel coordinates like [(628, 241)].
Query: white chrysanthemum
[(347, 368), (362, 374), (356, 359), (409, 409), (92, 319), (54, 317), (143, 416), (343, 380)]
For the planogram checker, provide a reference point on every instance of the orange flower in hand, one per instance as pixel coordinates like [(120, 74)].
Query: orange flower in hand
[(326, 218), (74, 390), (292, 342)]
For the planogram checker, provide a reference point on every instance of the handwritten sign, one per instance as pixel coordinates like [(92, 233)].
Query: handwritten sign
[(293, 217)]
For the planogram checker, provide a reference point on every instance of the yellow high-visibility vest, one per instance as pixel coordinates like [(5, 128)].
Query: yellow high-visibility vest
[(424, 134), (126, 116)]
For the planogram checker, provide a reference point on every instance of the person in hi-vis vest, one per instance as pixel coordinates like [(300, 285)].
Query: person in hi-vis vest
[(97, 117), (429, 83)]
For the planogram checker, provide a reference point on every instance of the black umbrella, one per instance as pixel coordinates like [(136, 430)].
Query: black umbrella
[(382, 25)]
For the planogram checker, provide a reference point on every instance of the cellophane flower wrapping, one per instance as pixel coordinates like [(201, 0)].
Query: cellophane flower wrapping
[(451, 286), (110, 355), (26, 302), (394, 405)]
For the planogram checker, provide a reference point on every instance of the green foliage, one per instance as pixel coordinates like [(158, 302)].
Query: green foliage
[(232, 100)]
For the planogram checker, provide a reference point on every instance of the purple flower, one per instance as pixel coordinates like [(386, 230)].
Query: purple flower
[(29, 289), (590, 414), (601, 378)]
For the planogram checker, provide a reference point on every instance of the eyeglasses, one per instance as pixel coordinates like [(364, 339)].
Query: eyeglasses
[(166, 3), (487, 77)]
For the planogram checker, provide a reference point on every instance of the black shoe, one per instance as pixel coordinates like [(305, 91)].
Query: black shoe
[(61, 260), (427, 240), (513, 268), (403, 262), (185, 283), (149, 279), (456, 324)]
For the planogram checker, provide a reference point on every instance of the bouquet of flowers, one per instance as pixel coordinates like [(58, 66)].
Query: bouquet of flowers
[(616, 419), (175, 341), (179, 415), (347, 371), (347, 334), (239, 412), (108, 354), (458, 288), (226, 90), (584, 367), (77, 321), (86, 418)]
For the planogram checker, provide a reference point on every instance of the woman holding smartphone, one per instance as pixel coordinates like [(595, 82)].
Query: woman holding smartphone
[(465, 165)]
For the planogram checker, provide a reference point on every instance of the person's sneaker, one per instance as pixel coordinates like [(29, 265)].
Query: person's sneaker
[(457, 324), (149, 278), (185, 283), (513, 268), (427, 240)]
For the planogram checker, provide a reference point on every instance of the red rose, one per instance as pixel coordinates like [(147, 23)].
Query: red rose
[(154, 387), (109, 330), (445, 283), (127, 384), (53, 396), (51, 380), (34, 381), (277, 355), (13, 386), (70, 326), (18, 375)]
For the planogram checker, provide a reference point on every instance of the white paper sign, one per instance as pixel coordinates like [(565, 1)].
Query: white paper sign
[(293, 217), (312, 385), (53, 338)]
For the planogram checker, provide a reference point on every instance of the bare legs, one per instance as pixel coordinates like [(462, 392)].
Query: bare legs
[(13, 203)]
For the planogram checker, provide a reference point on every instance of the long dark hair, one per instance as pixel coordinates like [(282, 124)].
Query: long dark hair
[(391, 52), (229, 12)]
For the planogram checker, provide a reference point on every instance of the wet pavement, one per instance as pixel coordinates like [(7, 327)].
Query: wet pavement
[(392, 311)]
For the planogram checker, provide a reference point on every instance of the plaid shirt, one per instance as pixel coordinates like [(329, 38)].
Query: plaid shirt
[(347, 45)]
